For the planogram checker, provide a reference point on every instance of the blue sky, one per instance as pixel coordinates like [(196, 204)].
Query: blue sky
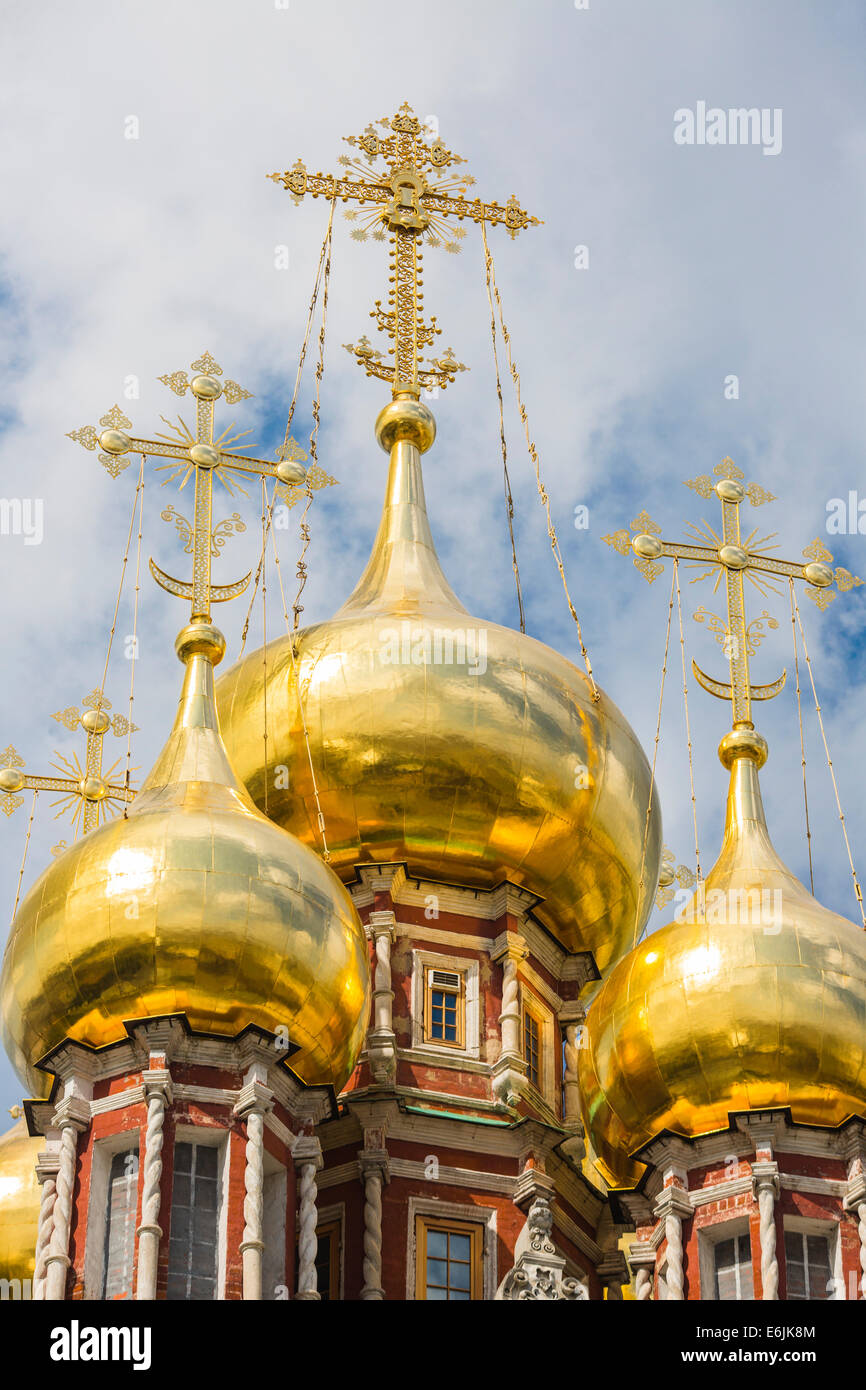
[(121, 257)]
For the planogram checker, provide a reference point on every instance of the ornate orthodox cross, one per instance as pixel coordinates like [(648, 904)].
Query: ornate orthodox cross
[(410, 198), (87, 791), (206, 458), (731, 557)]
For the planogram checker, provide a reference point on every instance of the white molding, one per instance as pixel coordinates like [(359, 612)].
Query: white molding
[(477, 1179), (578, 1237), (343, 1172)]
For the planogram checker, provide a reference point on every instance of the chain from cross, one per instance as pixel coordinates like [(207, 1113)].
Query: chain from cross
[(87, 791), (413, 198), (731, 557), (204, 457)]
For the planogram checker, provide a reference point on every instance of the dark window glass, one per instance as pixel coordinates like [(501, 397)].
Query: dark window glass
[(532, 1048), (449, 1266), (192, 1249), (733, 1268), (807, 1266), (117, 1271)]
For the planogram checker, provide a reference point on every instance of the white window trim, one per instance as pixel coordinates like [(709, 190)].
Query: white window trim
[(536, 1006), (454, 1211), (814, 1226), (708, 1238), (215, 1139), (104, 1150), (274, 1197), (421, 961)]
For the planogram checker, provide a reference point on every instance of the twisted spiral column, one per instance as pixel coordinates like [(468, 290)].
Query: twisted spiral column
[(308, 1244), (372, 1235), (766, 1182), (57, 1258), (643, 1285), (861, 1231), (157, 1092), (674, 1237), (252, 1245), (307, 1158), (44, 1229)]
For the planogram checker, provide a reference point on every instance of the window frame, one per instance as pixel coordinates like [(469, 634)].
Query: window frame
[(333, 1228), (446, 1053), (219, 1140), (547, 1088), (823, 1230), (104, 1151), (458, 1043), (533, 1044), (425, 1223), (708, 1238)]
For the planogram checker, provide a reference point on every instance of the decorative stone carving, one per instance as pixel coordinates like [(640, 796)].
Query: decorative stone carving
[(538, 1271)]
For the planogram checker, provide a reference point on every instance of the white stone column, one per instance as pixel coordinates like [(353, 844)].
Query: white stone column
[(571, 1021), (307, 1156), (72, 1116), (381, 1040), (253, 1101), (855, 1197), (157, 1094), (509, 1071), (765, 1180), (642, 1262), (373, 1161), (46, 1171), (673, 1207)]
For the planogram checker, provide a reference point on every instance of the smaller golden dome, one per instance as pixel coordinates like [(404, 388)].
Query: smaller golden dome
[(196, 904), (20, 1197), (753, 998)]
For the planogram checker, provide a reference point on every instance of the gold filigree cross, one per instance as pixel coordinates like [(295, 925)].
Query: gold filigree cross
[(404, 186), (86, 790), (199, 455), (731, 557)]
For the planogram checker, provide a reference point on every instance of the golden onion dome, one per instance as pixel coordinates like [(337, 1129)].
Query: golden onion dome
[(470, 752), (196, 904), (20, 1197), (754, 997)]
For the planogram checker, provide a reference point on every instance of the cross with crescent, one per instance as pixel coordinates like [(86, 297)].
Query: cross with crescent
[(199, 454), (731, 557)]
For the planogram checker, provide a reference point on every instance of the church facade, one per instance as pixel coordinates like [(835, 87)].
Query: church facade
[(385, 1026)]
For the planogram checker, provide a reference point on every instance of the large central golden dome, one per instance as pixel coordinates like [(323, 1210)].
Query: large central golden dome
[(471, 752)]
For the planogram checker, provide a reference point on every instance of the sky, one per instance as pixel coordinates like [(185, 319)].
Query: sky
[(139, 229)]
